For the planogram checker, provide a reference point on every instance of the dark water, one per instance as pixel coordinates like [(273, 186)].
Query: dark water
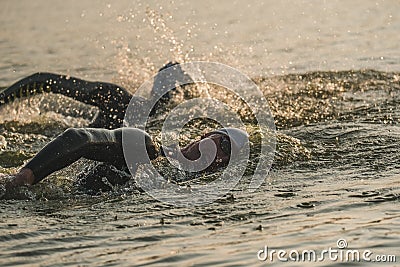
[(330, 71), (335, 175)]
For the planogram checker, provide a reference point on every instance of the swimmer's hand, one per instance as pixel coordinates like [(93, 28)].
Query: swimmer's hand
[(23, 177)]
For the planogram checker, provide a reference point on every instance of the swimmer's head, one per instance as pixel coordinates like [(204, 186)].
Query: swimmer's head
[(237, 139), (228, 142)]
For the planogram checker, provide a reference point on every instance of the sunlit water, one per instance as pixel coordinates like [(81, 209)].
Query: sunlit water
[(336, 173)]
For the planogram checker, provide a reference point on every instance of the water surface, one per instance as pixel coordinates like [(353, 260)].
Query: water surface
[(330, 71)]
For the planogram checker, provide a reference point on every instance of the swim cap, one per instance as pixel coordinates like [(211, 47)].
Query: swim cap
[(238, 137)]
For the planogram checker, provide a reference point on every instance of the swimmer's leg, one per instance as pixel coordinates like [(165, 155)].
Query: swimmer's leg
[(111, 99)]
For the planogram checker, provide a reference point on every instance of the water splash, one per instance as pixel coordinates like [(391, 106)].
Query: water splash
[(166, 37)]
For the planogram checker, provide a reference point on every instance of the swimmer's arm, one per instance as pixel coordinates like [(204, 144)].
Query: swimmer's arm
[(92, 93), (64, 150), (95, 144)]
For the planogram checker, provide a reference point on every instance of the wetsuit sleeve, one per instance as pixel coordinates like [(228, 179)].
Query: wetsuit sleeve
[(96, 144), (112, 100), (92, 93)]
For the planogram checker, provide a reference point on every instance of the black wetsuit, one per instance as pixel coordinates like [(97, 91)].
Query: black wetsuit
[(101, 145), (111, 100), (95, 144)]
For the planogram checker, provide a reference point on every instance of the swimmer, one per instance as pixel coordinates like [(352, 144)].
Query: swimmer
[(105, 146)]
